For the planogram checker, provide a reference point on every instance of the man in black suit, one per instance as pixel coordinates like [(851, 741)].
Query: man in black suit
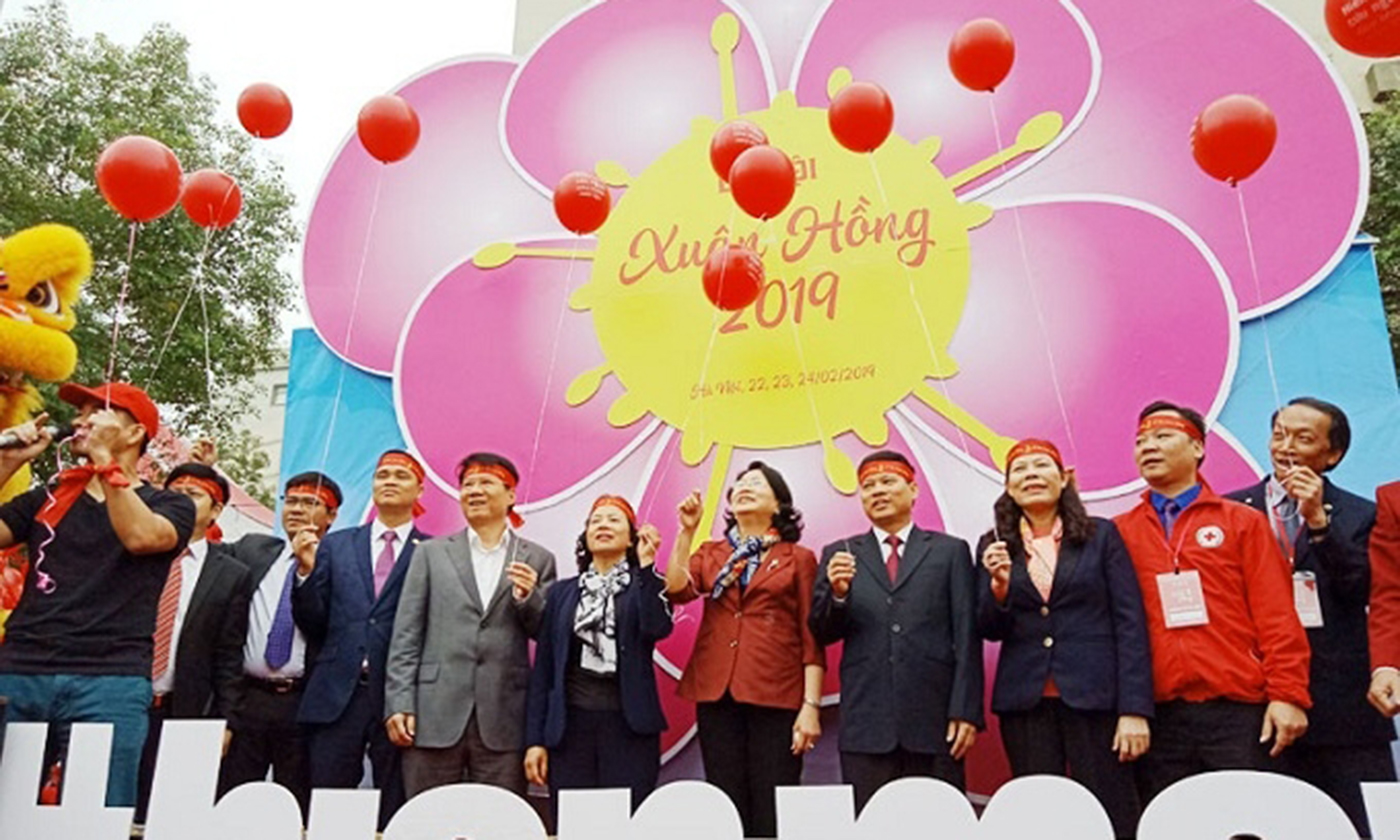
[(904, 602), (265, 729), (1323, 530), (201, 620), (345, 605)]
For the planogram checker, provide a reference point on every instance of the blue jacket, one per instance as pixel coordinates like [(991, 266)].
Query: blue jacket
[(643, 619), (1097, 650), (1340, 672), (342, 619)]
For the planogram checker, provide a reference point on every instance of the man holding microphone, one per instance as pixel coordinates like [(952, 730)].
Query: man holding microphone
[(79, 645)]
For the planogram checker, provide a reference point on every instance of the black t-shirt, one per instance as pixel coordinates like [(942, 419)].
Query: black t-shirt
[(100, 618)]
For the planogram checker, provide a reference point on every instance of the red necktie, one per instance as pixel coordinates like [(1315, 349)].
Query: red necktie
[(385, 564), (168, 606), (892, 562)]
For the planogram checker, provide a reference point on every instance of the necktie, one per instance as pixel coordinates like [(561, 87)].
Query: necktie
[(1287, 512), (892, 562), (279, 637), (168, 606), (1170, 511), (385, 564)]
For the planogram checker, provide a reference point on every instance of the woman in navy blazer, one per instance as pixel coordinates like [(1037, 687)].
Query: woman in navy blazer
[(1057, 588), (593, 716)]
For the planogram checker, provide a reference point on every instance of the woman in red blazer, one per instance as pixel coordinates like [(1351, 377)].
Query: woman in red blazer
[(756, 672)]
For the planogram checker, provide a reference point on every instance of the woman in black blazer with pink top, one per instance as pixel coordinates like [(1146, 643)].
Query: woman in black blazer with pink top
[(1057, 588)]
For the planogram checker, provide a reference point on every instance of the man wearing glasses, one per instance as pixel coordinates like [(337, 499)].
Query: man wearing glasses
[(265, 729)]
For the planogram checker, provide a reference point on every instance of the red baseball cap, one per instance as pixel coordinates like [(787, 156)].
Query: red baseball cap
[(121, 395)]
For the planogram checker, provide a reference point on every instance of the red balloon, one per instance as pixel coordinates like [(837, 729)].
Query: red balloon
[(733, 139), (388, 128), (139, 177), (211, 198), (1369, 27), (861, 116), (733, 277), (264, 110), (1233, 137), (582, 202), (981, 54), (763, 181)]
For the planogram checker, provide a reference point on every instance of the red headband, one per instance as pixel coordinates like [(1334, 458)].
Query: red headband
[(210, 487), (1170, 421), (516, 520), (410, 463), (617, 502), (400, 459), (320, 491), (1034, 446), (899, 468)]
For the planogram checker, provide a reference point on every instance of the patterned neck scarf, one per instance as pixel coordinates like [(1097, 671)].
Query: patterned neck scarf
[(744, 558), (595, 621), (1042, 555)]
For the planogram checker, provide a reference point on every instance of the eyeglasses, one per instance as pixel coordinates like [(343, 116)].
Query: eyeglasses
[(298, 502)]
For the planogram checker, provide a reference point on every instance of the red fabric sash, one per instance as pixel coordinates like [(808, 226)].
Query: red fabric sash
[(71, 484)]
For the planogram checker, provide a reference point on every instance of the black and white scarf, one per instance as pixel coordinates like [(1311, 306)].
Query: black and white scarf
[(595, 620), (744, 558)]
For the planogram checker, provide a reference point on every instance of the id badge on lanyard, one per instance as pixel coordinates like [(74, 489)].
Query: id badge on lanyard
[(1183, 597), (1305, 595)]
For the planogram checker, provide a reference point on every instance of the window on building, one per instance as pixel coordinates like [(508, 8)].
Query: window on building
[(279, 394)]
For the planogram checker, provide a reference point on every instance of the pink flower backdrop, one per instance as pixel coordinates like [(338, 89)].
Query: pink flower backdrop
[(1102, 268)]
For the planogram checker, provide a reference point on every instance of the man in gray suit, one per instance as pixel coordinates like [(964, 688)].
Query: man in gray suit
[(459, 658)]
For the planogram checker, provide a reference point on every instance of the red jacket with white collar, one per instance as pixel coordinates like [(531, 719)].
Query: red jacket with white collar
[(1254, 649)]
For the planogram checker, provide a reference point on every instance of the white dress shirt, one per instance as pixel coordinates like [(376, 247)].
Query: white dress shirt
[(881, 536), (191, 562), (377, 530), (488, 564), (260, 614)]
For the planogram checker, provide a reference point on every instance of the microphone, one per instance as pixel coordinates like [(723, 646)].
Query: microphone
[(10, 440)]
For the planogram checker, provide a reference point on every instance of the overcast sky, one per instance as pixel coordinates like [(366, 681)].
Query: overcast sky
[(330, 57)]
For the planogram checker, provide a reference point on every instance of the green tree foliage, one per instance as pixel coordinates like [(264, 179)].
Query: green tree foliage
[(63, 98), (1383, 212)]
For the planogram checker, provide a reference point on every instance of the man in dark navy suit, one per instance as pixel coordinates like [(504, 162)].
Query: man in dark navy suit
[(1323, 530), (345, 602), (904, 602)]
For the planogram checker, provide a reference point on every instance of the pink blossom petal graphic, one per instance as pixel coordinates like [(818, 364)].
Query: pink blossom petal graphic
[(1160, 69), (481, 367), (903, 47), (840, 516), (1111, 310), (623, 81), (680, 713), (454, 194)]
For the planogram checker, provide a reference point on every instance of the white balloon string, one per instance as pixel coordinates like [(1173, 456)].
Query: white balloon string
[(549, 377), (121, 306), (1259, 293), (179, 313), (1035, 302), (919, 312), (354, 310)]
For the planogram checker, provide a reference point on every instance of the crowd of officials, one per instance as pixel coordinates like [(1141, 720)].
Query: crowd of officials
[(1258, 629)]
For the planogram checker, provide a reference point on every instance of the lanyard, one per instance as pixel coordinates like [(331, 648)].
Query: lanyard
[(1180, 539), (1280, 529)]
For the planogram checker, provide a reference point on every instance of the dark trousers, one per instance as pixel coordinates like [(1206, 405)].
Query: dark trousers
[(468, 760), (1191, 738), (64, 699), (1339, 772), (1053, 739), (266, 734), (155, 723), (337, 753), (868, 772), (747, 752), (599, 750)]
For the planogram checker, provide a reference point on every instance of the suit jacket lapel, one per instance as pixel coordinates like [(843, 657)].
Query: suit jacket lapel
[(868, 554), (208, 571), (1064, 569), (366, 558), (400, 569), (515, 553), (911, 555), (459, 549)]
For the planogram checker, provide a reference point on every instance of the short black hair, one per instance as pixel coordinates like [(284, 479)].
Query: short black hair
[(1338, 431), (486, 459), (320, 480), (204, 471), (887, 455), (788, 520), (1190, 415)]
